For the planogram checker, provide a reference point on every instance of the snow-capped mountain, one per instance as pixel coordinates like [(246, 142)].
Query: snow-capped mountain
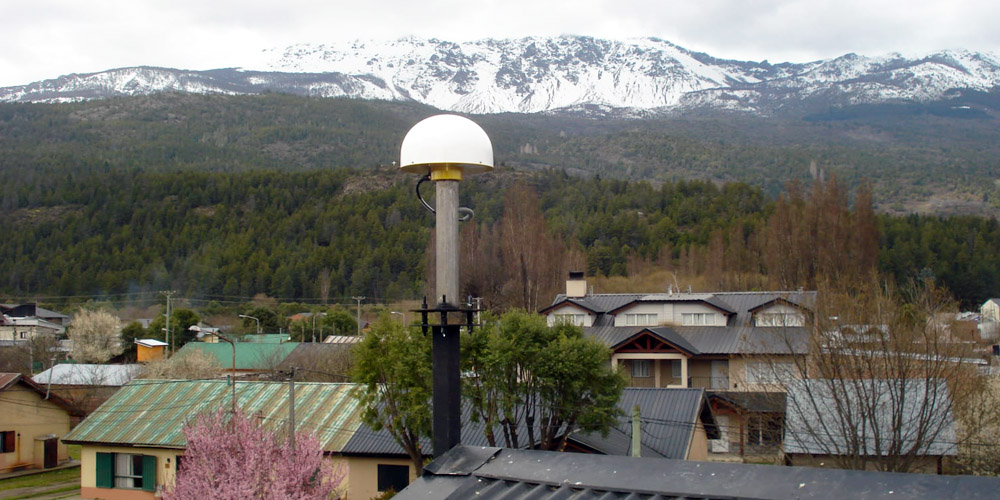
[(532, 75)]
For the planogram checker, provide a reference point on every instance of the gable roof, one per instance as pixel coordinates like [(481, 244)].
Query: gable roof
[(664, 334), (704, 298), (708, 340), (492, 473), (10, 380), (668, 418), (88, 374), (812, 406), (153, 413)]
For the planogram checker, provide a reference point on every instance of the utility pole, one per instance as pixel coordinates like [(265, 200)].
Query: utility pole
[(170, 345), (291, 411), (359, 299)]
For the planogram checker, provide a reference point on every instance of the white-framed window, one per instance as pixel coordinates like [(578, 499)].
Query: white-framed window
[(779, 319), (641, 368), (128, 470), (571, 319), (766, 372), (646, 319), (695, 319)]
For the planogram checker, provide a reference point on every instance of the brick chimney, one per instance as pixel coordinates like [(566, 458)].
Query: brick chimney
[(576, 285)]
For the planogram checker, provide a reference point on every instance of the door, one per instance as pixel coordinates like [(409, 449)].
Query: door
[(51, 453), (721, 445)]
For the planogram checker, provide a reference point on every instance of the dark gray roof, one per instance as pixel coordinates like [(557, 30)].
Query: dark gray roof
[(718, 339), (668, 416), (494, 473)]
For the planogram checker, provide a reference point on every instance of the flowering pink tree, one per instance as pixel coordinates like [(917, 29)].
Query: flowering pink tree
[(231, 457)]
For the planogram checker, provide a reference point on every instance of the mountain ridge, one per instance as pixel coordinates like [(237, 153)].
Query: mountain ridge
[(549, 74)]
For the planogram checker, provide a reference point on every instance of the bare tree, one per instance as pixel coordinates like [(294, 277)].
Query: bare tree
[(185, 365), (96, 336), (883, 380)]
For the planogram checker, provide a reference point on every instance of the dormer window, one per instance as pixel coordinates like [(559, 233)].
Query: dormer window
[(697, 319), (779, 319), (571, 319), (648, 319)]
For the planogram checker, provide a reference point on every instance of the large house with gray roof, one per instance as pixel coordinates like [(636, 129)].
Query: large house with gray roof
[(724, 342)]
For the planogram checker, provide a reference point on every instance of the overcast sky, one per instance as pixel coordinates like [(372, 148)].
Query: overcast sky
[(42, 39)]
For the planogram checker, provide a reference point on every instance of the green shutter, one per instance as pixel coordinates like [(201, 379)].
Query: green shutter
[(105, 470), (149, 472)]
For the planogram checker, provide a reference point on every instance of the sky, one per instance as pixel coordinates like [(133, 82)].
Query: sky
[(41, 39)]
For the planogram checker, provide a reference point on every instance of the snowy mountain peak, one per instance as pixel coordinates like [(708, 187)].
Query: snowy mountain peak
[(537, 74)]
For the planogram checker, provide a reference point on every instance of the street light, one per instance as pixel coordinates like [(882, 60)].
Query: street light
[(401, 314), (253, 318)]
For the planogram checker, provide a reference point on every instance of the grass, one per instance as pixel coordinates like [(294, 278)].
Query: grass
[(74, 451), (43, 479), (47, 492)]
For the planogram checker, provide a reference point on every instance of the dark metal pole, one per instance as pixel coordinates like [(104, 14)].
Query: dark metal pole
[(447, 421)]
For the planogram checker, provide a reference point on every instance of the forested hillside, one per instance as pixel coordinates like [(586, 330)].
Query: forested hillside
[(229, 197)]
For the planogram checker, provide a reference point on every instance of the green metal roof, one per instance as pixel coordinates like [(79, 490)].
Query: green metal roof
[(266, 338), (153, 413), (249, 355)]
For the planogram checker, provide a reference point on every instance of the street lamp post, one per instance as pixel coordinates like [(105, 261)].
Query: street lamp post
[(442, 148), (253, 318), (233, 345), (401, 314)]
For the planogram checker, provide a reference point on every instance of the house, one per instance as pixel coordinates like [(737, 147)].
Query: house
[(33, 311), (147, 350), (487, 473), (16, 330), (989, 319), (266, 338), (251, 357), (31, 422), (724, 342), (86, 386), (675, 423), (875, 420), (131, 445)]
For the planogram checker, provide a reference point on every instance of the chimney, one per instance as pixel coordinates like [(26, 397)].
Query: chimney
[(576, 285)]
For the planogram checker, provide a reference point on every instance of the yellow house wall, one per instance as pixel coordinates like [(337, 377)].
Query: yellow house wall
[(363, 475), (28, 414), (145, 354), (166, 470), (698, 449)]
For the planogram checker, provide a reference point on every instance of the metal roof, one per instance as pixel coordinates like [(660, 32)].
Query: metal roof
[(717, 339), (249, 355), (153, 413), (916, 412), (88, 374), (668, 417), (494, 473)]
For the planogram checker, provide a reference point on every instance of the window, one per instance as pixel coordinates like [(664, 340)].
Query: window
[(395, 477), (696, 319), (649, 319), (641, 368), (762, 372), (571, 319), (126, 470), (675, 369), (779, 319), (763, 430), (8, 442)]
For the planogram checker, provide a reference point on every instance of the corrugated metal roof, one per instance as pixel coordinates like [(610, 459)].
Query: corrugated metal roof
[(668, 418), (249, 355), (88, 374), (495, 473), (154, 412), (915, 412), (718, 339)]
